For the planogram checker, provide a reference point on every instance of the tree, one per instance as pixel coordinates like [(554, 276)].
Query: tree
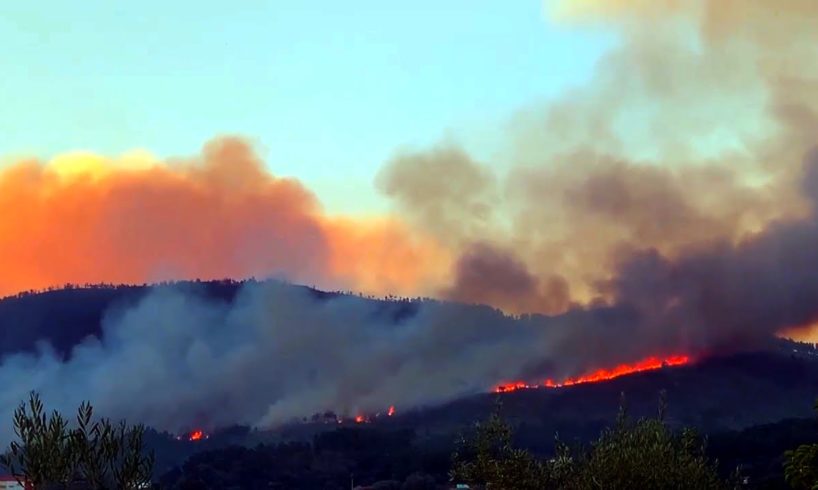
[(488, 458), (48, 453), (45, 453), (801, 466), (646, 454), (643, 454)]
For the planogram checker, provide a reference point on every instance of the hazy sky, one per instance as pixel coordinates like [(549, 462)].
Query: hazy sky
[(328, 90)]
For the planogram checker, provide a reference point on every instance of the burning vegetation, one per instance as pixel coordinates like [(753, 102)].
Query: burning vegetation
[(194, 436), (649, 364), (330, 417), (366, 419)]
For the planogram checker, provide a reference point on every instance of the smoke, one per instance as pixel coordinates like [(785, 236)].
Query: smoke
[(490, 276), (691, 131), (723, 295), (442, 190), (665, 207), (277, 352), (85, 219)]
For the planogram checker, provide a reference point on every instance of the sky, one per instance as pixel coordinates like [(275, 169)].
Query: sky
[(327, 91), (485, 152)]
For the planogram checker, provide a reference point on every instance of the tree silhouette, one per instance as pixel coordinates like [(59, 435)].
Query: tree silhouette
[(100, 454), (488, 458), (646, 454), (801, 466), (643, 454)]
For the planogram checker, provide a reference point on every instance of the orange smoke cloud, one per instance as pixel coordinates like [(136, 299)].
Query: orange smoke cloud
[(86, 219), (384, 255), (691, 131)]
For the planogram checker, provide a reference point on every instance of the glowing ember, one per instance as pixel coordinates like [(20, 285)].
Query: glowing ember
[(197, 435), (519, 385), (362, 417), (649, 364)]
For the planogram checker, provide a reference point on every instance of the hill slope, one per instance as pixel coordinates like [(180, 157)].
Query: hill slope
[(717, 394)]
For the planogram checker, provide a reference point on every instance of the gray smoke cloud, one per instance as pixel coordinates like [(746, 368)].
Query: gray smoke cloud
[(274, 353), (690, 130), (279, 352)]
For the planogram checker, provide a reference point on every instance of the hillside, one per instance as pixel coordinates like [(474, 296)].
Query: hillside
[(736, 398), (717, 394), (64, 317), (752, 407)]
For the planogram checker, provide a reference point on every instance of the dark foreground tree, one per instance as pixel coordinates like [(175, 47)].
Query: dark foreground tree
[(643, 454), (646, 454), (488, 457), (801, 466), (49, 454)]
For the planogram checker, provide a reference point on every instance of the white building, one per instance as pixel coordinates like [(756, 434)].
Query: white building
[(9, 482)]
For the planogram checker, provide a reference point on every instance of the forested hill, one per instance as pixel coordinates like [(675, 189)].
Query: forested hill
[(64, 317)]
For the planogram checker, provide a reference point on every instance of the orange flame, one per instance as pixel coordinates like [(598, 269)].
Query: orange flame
[(196, 435), (517, 385), (366, 419), (649, 364)]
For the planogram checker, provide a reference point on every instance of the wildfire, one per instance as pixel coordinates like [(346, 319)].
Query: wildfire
[(519, 385), (366, 419), (360, 417), (196, 435), (649, 364)]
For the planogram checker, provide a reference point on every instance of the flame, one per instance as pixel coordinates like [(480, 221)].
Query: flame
[(366, 419), (649, 364), (197, 435)]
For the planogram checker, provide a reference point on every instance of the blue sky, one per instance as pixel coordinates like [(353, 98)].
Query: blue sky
[(329, 90)]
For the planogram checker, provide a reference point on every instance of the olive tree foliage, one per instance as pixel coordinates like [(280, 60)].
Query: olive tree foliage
[(49, 453), (488, 457), (646, 454), (801, 466), (643, 454)]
